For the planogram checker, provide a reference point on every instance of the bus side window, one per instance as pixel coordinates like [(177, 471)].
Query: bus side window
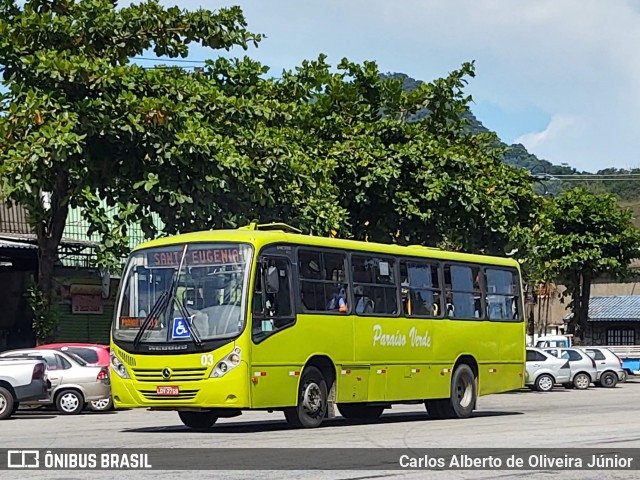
[(272, 305)]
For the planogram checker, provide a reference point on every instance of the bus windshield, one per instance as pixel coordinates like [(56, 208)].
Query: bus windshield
[(209, 283)]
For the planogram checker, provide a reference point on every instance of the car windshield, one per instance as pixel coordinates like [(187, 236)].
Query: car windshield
[(208, 283)]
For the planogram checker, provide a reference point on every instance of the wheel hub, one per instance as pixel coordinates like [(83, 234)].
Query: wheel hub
[(545, 383), (465, 393), (312, 398), (69, 402), (100, 403), (3, 404)]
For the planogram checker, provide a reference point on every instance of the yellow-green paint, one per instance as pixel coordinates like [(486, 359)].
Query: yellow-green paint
[(269, 372)]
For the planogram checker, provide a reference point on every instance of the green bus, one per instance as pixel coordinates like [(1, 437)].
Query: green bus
[(213, 323)]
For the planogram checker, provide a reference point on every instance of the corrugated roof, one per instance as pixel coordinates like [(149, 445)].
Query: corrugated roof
[(30, 238), (614, 308), (22, 245)]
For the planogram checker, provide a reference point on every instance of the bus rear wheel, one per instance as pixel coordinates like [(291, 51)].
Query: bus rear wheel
[(198, 420), (312, 401), (359, 411), (464, 392)]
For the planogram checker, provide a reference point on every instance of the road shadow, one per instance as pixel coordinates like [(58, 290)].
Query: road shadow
[(281, 425)]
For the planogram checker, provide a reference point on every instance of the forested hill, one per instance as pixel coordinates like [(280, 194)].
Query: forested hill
[(516, 154), (628, 192)]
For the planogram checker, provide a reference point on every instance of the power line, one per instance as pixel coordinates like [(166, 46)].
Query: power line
[(165, 60), (577, 177)]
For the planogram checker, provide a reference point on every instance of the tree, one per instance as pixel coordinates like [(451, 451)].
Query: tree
[(583, 236), (75, 103)]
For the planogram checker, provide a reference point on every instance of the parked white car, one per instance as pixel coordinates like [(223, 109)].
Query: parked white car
[(73, 382), (543, 370), (22, 380), (608, 366), (583, 367)]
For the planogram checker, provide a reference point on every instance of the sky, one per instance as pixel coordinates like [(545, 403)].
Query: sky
[(560, 77)]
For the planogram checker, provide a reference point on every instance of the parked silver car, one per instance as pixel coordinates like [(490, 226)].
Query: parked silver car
[(543, 370), (73, 383), (583, 367), (608, 365)]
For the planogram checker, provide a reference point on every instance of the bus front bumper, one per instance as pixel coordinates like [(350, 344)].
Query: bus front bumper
[(229, 391)]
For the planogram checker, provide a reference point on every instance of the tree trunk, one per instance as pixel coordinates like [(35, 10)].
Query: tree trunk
[(575, 301), (49, 234), (583, 316)]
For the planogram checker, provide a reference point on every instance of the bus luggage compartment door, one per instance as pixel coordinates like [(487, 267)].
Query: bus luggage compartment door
[(353, 383)]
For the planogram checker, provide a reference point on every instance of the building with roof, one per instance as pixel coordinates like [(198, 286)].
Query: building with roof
[(85, 295), (613, 320)]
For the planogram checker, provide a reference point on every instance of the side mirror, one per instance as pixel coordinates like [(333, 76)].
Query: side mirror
[(272, 280)]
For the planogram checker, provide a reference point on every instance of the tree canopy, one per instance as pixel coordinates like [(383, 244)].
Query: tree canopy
[(76, 106)]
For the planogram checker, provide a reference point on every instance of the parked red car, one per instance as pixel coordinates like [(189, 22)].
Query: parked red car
[(95, 355)]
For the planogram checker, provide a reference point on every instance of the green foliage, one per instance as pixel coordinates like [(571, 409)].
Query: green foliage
[(45, 314)]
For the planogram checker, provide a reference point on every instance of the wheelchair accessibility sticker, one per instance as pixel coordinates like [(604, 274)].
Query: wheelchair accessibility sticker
[(180, 328)]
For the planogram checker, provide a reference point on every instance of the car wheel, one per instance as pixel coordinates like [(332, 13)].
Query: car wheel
[(581, 381), (608, 380), (198, 420), (544, 383), (312, 401), (102, 405), (69, 402), (6, 403)]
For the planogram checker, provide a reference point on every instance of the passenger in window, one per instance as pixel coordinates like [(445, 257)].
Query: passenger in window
[(451, 310), (338, 302), (363, 303)]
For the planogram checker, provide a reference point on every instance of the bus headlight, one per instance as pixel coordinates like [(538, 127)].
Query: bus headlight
[(118, 367), (227, 363)]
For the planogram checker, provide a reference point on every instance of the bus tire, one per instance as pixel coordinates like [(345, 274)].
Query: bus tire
[(198, 420), (464, 392), (312, 401), (359, 411)]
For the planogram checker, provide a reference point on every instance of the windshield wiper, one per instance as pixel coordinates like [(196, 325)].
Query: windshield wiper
[(162, 302), (158, 307)]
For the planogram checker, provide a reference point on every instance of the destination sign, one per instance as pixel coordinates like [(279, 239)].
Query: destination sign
[(136, 322), (195, 257)]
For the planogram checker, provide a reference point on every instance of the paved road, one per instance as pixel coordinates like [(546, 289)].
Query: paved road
[(599, 418)]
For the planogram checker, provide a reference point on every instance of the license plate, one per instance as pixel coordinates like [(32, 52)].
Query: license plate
[(167, 391)]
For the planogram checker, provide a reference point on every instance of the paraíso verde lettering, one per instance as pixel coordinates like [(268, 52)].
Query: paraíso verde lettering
[(398, 339)]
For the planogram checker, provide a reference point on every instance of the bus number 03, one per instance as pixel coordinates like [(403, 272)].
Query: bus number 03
[(206, 359)]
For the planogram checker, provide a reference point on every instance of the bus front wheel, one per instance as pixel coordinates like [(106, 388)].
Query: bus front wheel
[(464, 392), (198, 420), (312, 401)]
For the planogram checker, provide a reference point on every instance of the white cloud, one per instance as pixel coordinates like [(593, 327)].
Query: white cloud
[(557, 125)]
